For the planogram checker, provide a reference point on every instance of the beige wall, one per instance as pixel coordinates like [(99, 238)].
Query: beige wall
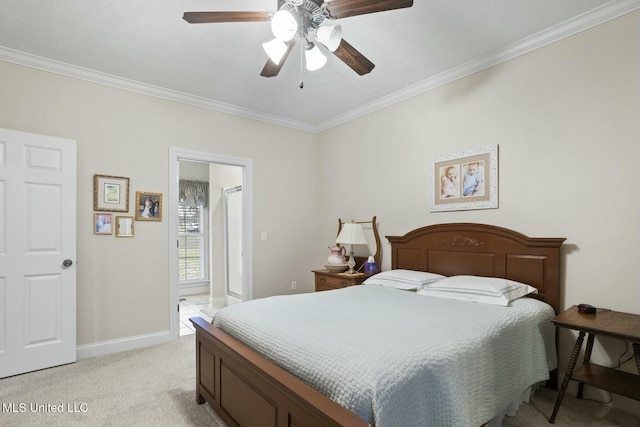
[(567, 121), (123, 284)]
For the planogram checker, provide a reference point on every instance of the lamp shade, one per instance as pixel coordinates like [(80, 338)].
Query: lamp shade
[(284, 25), (275, 49), (314, 58), (351, 234), (330, 36)]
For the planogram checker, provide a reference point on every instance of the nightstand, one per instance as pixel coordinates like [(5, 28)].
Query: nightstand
[(623, 326), (326, 280)]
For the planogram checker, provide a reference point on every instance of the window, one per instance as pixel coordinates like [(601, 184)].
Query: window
[(192, 253)]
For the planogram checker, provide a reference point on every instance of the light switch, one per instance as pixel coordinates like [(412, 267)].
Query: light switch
[(264, 235)]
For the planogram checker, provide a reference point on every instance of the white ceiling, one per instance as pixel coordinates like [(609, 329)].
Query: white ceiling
[(145, 45)]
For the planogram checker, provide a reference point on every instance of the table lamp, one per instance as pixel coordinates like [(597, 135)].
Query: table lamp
[(351, 234)]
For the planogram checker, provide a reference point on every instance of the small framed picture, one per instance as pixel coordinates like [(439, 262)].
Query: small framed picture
[(148, 206), (124, 226), (102, 223), (110, 193)]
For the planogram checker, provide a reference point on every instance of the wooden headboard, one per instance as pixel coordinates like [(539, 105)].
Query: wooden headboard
[(482, 250)]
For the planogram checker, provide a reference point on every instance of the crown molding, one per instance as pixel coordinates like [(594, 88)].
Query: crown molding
[(57, 67), (573, 26)]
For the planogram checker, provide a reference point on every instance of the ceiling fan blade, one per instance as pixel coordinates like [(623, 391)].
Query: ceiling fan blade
[(214, 17), (345, 8), (354, 59), (271, 69)]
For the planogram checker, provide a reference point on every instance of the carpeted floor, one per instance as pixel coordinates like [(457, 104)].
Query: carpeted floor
[(156, 387)]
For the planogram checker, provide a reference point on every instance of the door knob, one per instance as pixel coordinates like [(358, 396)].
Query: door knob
[(67, 263)]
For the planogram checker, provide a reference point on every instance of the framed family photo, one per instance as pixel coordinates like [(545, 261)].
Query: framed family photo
[(464, 181), (102, 223), (110, 193), (148, 206)]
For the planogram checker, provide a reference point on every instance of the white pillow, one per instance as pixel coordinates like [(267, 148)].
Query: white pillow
[(403, 279), (489, 290)]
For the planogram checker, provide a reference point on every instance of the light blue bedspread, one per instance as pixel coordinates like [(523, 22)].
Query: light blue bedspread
[(396, 358)]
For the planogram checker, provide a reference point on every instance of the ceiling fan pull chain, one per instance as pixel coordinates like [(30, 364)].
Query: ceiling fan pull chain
[(301, 61)]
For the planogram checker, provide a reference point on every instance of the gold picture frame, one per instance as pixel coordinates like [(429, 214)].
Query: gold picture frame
[(102, 223), (124, 226), (464, 181), (110, 193), (148, 206)]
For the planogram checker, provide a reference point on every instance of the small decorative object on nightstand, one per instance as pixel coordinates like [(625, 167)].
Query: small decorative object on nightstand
[(336, 261), (613, 324)]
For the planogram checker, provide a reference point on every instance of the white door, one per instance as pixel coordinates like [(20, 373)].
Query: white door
[(37, 252)]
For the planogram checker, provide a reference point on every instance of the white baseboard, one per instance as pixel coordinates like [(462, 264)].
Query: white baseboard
[(123, 344)]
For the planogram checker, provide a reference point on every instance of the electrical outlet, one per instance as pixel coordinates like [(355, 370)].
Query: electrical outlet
[(294, 285)]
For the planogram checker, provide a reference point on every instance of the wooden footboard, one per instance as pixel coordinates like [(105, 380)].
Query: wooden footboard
[(247, 390)]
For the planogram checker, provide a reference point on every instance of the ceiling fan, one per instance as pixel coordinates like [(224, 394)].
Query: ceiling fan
[(301, 20)]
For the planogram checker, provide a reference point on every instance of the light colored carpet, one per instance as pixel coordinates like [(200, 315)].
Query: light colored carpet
[(153, 386), (156, 387)]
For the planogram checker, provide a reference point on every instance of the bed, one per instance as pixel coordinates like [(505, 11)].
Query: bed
[(251, 382)]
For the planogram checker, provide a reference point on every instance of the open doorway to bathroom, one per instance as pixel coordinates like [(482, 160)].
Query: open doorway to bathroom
[(211, 245), (195, 237)]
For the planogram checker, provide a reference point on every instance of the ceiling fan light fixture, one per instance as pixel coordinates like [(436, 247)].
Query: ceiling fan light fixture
[(284, 25), (275, 49), (330, 36), (314, 58)]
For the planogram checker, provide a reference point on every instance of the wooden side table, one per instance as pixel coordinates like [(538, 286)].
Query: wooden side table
[(326, 280), (613, 324)]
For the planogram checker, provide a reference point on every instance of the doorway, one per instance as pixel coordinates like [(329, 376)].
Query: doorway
[(218, 165)]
